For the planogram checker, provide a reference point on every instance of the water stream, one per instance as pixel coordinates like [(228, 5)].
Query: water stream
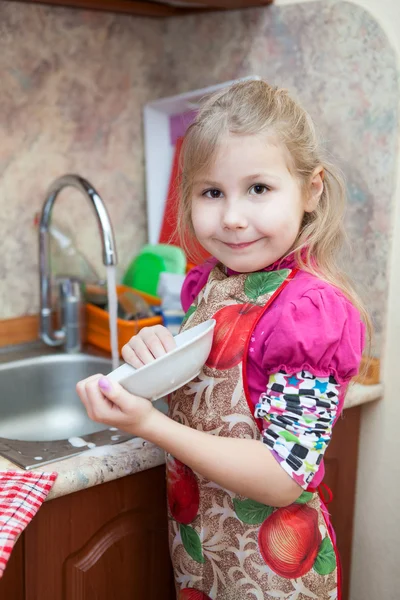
[(112, 310)]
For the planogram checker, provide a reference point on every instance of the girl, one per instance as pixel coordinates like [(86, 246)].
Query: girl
[(245, 440)]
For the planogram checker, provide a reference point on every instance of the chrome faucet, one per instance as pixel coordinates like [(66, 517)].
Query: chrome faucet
[(70, 295)]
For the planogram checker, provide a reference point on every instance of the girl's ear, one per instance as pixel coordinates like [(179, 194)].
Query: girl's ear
[(316, 187)]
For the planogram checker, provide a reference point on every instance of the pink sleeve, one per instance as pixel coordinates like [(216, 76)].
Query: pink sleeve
[(194, 282), (319, 331)]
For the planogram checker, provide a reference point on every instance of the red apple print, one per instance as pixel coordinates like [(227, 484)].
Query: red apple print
[(182, 491), (233, 325), (289, 540), (192, 594)]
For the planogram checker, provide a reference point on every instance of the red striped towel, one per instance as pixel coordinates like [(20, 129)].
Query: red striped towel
[(21, 495)]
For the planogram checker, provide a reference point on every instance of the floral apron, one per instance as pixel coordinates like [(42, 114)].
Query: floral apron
[(224, 546)]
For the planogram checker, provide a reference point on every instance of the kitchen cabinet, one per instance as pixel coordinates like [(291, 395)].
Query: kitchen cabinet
[(107, 541), (110, 540), (155, 8), (341, 461), (12, 584)]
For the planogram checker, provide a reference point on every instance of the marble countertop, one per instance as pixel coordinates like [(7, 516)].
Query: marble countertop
[(106, 463)]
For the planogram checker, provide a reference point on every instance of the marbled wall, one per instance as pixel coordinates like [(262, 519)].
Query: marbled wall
[(338, 62), (73, 85), (72, 88)]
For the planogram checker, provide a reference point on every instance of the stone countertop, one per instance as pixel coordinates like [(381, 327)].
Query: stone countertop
[(362, 394), (98, 465), (106, 463)]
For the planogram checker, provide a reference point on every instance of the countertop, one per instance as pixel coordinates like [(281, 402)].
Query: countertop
[(106, 463)]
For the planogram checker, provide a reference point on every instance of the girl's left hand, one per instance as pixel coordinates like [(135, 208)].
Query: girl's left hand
[(108, 402)]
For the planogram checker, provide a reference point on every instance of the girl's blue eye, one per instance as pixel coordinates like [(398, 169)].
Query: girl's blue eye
[(259, 189), (214, 194)]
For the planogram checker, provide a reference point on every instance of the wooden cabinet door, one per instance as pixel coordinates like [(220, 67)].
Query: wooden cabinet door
[(341, 475), (108, 541), (12, 584)]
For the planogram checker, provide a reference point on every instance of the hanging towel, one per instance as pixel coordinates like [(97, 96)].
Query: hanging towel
[(21, 495)]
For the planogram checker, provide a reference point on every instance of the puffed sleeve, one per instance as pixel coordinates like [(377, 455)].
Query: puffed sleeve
[(320, 331), (194, 283), (298, 412)]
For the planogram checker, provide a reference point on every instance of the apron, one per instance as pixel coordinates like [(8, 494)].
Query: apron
[(224, 546)]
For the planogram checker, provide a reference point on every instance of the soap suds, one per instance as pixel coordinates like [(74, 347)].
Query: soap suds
[(77, 442)]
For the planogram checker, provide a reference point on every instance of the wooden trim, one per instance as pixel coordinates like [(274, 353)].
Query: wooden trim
[(20, 330), (230, 4), (152, 9), (341, 461), (136, 7), (369, 371), (132, 7)]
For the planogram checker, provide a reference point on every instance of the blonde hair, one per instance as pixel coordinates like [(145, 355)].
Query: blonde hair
[(255, 107)]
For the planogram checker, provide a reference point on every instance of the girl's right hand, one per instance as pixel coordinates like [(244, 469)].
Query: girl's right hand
[(150, 343)]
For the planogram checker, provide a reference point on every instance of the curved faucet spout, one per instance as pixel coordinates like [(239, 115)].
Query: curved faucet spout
[(48, 335)]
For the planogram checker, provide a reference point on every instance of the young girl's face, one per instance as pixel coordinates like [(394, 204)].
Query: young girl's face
[(247, 208)]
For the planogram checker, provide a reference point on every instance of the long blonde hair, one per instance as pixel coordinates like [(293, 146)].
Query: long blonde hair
[(255, 107)]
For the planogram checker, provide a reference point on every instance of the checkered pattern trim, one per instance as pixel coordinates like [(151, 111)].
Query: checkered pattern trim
[(298, 412), (21, 495)]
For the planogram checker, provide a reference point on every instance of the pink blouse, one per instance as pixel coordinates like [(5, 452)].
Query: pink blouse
[(311, 326)]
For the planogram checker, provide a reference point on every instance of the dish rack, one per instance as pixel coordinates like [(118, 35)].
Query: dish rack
[(98, 322)]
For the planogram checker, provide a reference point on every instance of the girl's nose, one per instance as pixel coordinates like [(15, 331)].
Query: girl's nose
[(233, 218)]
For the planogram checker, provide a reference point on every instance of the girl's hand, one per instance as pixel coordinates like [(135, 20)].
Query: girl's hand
[(108, 402), (150, 343)]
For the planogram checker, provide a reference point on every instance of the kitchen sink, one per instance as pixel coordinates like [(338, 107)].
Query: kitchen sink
[(42, 419)]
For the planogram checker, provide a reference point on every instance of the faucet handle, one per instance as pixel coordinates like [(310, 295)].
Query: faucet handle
[(72, 311)]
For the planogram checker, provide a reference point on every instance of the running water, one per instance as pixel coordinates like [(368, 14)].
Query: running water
[(112, 311)]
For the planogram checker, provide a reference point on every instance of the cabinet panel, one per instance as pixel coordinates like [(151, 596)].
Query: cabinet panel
[(12, 584), (341, 473), (115, 560), (104, 542), (162, 8)]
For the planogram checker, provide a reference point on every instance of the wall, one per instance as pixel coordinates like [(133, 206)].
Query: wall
[(73, 84), (65, 72), (376, 553), (337, 60)]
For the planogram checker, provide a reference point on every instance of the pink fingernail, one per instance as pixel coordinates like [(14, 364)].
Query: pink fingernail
[(104, 384)]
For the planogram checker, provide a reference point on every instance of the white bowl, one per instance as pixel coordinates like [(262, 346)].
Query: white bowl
[(173, 370)]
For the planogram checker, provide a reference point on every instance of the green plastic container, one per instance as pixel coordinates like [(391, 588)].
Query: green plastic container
[(174, 257), (144, 272)]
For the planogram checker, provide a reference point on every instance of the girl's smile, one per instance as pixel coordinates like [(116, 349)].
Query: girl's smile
[(241, 245)]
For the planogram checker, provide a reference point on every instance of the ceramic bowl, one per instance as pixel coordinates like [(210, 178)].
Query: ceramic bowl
[(173, 370)]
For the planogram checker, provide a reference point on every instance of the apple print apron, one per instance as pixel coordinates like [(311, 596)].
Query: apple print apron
[(224, 546)]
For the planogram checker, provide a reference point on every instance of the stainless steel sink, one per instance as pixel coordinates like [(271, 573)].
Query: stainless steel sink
[(41, 417)]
